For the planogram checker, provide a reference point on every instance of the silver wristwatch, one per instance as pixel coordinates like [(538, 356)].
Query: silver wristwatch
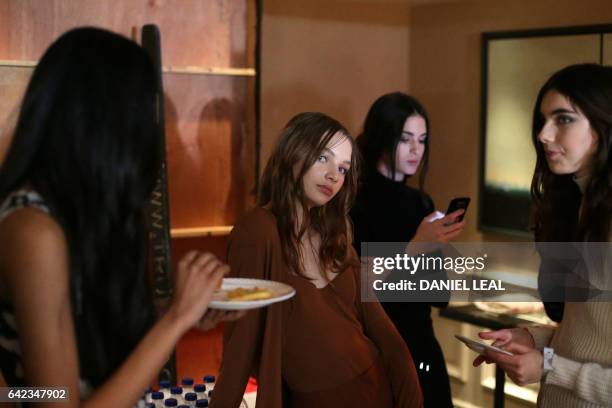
[(548, 354)]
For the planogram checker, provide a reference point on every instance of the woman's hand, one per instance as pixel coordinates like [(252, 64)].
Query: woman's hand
[(212, 317), (442, 230), (198, 276), (524, 367), (505, 338)]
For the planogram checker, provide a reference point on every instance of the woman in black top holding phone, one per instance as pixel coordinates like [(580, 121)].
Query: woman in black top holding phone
[(394, 143)]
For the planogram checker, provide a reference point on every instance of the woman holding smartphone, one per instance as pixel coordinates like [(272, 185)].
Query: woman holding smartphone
[(322, 348), (572, 190), (394, 145)]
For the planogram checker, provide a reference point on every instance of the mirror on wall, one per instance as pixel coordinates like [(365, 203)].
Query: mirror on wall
[(514, 66)]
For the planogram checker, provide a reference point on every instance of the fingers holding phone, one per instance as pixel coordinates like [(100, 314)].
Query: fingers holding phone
[(453, 220), (440, 228), (437, 231), (452, 231), (457, 209)]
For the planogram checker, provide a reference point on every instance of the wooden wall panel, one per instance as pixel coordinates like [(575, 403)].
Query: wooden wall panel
[(210, 149), (210, 118), (199, 353), (13, 81), (194, 32)]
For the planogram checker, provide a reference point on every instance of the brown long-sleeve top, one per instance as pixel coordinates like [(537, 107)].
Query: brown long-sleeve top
[(322, 348)]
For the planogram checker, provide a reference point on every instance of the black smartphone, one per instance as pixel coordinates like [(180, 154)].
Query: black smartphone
[(456, 204)]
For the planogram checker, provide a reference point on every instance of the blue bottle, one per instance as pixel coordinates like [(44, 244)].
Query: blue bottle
[(187, 383), (164, 386), (200, 390), (157, 398), (191, 398), (177, 394)]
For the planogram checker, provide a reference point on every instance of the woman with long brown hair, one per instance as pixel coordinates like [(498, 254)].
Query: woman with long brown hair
[(324, 347), (572, 191)]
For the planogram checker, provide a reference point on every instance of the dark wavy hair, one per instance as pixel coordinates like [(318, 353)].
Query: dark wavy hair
[(300, 143), (556, 197), (86, 141), (382, 131)]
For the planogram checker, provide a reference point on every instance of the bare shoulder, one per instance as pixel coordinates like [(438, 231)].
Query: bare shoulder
[(30, 228), (32, 247)]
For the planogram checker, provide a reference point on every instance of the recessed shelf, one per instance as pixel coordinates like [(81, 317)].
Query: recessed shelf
[(217, 230), (243, 72), (16, 63), (239, 72)]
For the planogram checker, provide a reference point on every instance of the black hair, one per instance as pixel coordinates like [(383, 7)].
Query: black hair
[(86, 141), (382, 131)]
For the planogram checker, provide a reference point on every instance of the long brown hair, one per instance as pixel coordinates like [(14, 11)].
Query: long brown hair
[(299, 145), (557, 198)]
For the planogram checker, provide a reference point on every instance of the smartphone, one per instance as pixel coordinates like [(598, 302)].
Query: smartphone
[(456, 204), (479, 346)]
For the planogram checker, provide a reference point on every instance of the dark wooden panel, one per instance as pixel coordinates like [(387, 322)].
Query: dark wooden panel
[(217, 245), (199, 353)]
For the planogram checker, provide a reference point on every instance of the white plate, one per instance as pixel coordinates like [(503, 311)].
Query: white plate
[(480, 347), (280, 292)]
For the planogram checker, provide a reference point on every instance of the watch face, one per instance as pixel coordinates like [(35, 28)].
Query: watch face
[(547, 355)]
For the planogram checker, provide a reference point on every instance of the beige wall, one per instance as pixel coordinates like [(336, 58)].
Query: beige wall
[(333, 56), (337, 56), (445, 75)]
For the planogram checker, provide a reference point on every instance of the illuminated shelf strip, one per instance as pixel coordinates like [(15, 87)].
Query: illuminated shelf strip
[(248, 72), (201, 231), (20, 64)]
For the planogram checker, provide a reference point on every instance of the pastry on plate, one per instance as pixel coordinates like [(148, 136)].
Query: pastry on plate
[(245, 294)]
